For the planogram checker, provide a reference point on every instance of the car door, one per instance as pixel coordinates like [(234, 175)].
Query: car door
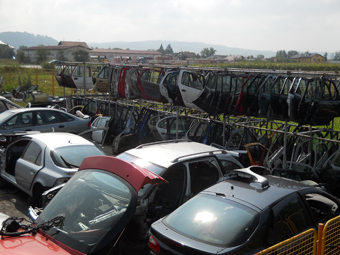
[(82, 79), (100, 122), (20, 122), (29, 165), (190, 85), (291, 217), (50, 121), (202, 174)]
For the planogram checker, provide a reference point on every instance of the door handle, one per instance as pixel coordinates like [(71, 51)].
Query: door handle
[(76, 78), (62, 126), (28, 130), (184, 90), (31, 171)]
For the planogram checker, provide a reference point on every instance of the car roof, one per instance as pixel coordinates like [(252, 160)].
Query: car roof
[(32, 109), (167, 153), (246, 194), (59, 139)]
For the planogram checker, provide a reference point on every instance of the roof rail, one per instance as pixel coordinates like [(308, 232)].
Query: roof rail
[(162, 142), (257, 181), (210, 153)]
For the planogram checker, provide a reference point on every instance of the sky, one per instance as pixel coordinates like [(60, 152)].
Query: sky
[(301, 25)]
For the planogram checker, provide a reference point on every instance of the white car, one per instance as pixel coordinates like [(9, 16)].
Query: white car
[(37, 162)]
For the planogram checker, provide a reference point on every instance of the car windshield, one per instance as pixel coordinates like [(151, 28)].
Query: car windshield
[(74, 155), (92, 203), (5, 115), (214, 220), (144, 164)]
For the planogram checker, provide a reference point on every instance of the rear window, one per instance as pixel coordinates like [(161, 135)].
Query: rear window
[(74, 154), (214, 220)]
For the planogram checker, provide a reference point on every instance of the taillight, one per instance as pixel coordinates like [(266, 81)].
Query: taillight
[(153, 244)]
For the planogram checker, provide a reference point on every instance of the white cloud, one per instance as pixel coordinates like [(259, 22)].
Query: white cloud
[(263, 24)]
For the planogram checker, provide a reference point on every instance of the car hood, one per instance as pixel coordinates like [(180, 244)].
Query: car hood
[(30, 245)]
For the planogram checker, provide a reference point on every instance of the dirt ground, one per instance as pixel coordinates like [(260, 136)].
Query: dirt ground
[(13, 202)]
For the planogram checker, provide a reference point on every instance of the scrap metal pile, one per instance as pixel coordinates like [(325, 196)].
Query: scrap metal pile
[(313, 99), (232, 110)]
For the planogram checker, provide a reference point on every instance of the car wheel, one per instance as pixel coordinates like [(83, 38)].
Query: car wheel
[(36, 200)]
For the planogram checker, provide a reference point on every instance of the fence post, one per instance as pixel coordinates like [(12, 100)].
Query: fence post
[(53, 82), (319, 248)]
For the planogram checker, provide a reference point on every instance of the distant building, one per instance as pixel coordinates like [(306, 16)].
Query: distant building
[(68, 49), (115, 55), (308, 58), (233, 58), (131, 56)]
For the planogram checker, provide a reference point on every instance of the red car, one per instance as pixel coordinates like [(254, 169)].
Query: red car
[(88, 215)]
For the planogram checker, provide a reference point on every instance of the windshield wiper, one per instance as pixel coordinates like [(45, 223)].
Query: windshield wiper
[(70, 165)]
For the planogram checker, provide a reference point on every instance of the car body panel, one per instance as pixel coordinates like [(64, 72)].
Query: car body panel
[(82, 80), (41, 119), (148, 83), (190, 85), (30, 245)]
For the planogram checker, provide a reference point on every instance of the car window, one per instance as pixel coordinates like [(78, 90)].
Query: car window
[(48, 117), (214, 220), (322, 207), (19, 121), (192, 80), (66, 117), (74, 154), (33, 154), (10, 106), (291, 219), (228, 166), (169, 195), (203, 174), (2, 106)]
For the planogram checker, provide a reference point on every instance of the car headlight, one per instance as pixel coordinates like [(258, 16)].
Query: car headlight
[(61, 181)]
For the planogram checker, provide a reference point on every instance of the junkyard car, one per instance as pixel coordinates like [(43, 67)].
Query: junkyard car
[(6, 104), (243, 214), (36, 162), (41, 119), (189, 167), (89, 213)]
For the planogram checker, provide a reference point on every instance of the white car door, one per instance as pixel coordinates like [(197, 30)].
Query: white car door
[(29, 165), (78, 77), (99, 122), (190, 85)]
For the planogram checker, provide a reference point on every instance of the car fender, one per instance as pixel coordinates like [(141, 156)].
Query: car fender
[(47, 177)]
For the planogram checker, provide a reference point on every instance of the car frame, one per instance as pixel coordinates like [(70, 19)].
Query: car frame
[(259, 210)]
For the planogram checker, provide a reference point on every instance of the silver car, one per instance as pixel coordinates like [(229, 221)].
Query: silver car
[(37, 162), (41, 119)]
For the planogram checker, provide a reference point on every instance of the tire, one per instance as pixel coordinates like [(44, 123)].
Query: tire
[(36, 200)]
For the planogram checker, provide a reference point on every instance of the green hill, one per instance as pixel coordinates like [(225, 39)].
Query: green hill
[(17, 39)]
